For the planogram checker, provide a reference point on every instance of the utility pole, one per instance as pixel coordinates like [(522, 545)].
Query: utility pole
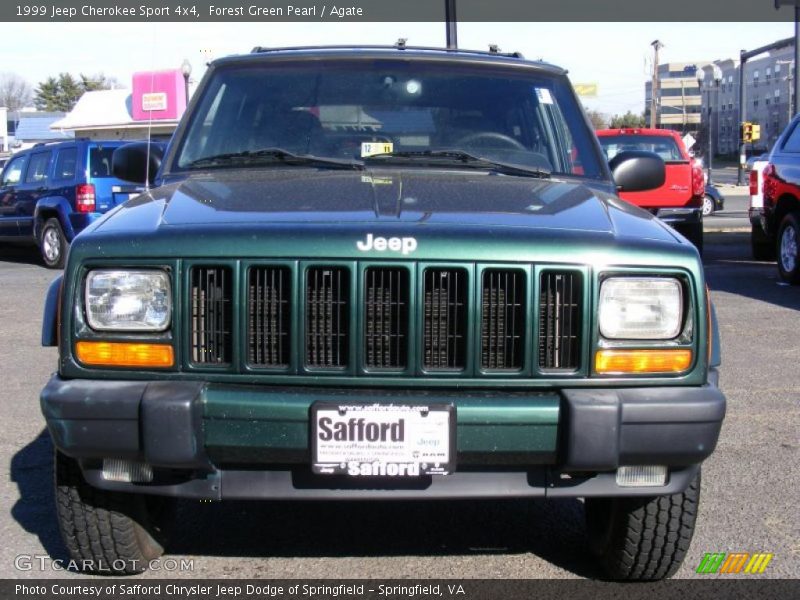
[(657, 45), (452, 25)]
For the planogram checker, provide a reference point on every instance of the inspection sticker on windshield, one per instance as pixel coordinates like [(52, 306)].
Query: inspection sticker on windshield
[(373, 148), (543, 94), (382, 440)]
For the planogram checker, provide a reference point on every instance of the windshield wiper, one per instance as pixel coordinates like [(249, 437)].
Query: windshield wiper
[(274, 155), (464, 158)]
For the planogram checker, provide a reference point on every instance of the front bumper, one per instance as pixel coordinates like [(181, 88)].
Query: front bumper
[(219, 441)]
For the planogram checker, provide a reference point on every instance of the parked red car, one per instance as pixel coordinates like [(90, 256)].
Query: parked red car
[(679, 201), (779, 217)]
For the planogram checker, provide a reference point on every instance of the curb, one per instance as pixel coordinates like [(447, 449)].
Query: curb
[(726, 230)]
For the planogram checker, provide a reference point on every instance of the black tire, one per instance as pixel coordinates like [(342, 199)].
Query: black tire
[(761, 246), (787, 248), (53, 244), (694, 233), (642, 539), (105, 532)]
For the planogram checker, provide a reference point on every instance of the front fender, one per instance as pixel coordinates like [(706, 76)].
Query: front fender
[(59, 205), (50, 318)]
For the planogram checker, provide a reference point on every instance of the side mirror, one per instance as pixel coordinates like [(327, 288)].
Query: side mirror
[(636, 170), (135, 163)]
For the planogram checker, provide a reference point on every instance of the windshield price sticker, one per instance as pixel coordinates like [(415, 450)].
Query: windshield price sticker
[(382, 440), (373, 148)]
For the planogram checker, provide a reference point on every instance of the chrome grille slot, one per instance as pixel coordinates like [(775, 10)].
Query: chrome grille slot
[(445, 319), (502, 319), (269, 316), (211, 315), (386, 318), (327, 318), (560, 320)]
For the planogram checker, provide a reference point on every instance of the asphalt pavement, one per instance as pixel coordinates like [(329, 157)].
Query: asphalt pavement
[(749, 489)]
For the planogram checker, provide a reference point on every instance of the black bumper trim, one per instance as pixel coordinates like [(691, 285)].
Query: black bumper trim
[(671, 426), (301, 484)]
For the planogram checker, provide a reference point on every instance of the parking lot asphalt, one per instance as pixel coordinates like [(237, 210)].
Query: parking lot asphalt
[(749, 492)]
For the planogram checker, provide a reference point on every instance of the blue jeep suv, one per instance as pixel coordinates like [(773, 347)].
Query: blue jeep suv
[(52, 191)]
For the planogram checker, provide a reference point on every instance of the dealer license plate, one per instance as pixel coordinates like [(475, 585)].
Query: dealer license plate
[(382, 440)]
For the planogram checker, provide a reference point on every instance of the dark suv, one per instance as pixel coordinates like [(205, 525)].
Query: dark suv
[(50, 192), (383, 274)]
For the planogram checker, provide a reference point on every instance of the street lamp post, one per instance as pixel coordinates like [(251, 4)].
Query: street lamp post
[(716, 76), (186, 71)]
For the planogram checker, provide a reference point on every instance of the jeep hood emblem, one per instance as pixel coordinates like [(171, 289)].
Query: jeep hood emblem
[(404, 245)]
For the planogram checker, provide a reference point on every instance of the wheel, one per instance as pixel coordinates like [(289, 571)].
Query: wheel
[(694, 233), (487, 139), (103, 531), (788, 237), (708, 206), (642, 538), (53, 244), (762, 247)]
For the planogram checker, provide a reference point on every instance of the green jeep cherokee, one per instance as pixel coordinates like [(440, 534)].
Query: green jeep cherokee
[(383, 273)]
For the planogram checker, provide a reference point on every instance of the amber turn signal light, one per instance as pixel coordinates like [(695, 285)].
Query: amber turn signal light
[(123, 354), (674, 360)]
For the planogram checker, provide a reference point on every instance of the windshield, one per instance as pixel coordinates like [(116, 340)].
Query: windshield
[(664, 146), (388, 109)]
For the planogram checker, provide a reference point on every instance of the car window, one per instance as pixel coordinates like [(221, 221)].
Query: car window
[(666, 147), (65, 163), (38, 167), (13, 171), (792, 143), (100, 162), (515, 116)]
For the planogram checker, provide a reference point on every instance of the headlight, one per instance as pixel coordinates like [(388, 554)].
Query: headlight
[(640, 308), (128, 300)]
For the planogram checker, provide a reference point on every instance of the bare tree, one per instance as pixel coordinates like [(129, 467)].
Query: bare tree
[(15, 92)]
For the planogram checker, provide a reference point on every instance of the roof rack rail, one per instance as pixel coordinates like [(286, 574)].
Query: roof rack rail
[(61, 141), (399, 45)]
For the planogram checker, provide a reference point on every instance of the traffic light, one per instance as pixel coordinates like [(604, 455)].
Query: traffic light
[(747, 132), (755, 133)]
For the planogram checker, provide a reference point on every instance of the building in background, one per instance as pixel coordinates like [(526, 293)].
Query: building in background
[(677, 97), (710, 104), (151, 109), (25, 128)]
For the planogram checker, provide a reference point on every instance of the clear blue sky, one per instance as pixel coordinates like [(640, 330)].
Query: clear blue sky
[(609, 54)]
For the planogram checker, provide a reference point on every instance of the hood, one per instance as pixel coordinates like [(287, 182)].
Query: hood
[(316, 206)]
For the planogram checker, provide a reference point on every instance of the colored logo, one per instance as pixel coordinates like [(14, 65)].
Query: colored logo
[(734, 562)]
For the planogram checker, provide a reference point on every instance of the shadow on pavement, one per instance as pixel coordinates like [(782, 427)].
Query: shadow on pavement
[(35, 509), (553, 530), (25, 254), (730, 268)]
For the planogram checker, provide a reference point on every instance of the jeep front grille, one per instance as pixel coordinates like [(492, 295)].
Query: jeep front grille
[(210, 292), (269, 316), (560, 320), (327, 322), (445, 319), (386, 318), (392, 319), (502, 319)]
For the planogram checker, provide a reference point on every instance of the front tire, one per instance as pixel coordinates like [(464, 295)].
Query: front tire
[(53, 244), (788, 240), (103, 531), (642, 539)]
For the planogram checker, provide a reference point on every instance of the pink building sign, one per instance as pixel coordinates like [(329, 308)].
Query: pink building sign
[(158, 95)]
